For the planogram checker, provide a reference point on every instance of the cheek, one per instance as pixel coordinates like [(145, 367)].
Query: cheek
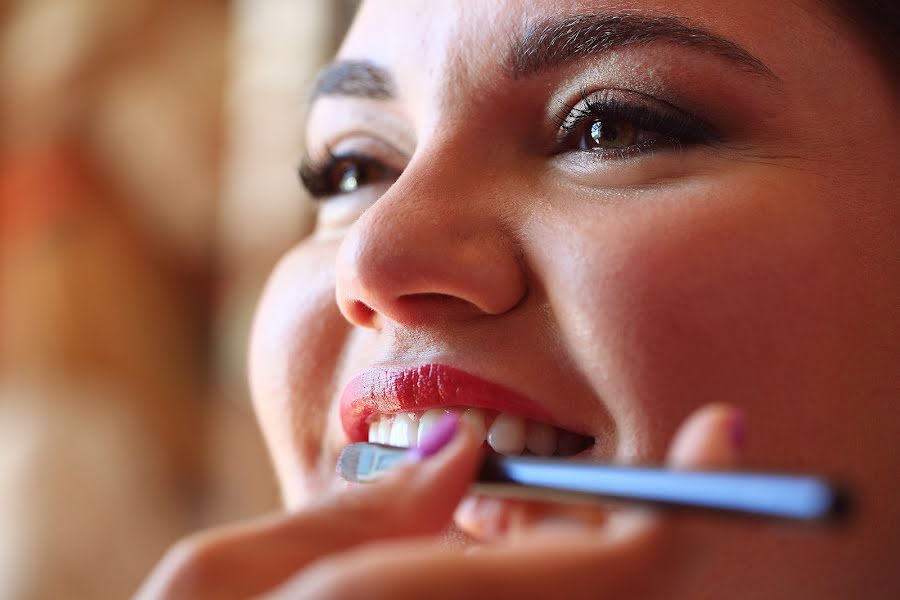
[(675, 302), (297, 338)]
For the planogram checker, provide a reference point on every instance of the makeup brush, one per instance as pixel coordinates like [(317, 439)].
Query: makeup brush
[(794, 497)]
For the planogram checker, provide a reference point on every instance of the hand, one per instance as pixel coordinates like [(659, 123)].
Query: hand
[(378, 540)]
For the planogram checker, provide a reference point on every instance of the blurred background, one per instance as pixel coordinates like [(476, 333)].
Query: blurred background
[(147, 186)]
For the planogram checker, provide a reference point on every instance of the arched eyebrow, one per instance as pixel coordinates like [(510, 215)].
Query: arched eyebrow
[(549, 43), (358, 78)]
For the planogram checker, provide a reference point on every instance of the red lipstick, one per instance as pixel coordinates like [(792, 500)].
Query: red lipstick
[(380, 391)]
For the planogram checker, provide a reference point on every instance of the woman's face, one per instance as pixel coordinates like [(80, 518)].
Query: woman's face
[(597, 216)]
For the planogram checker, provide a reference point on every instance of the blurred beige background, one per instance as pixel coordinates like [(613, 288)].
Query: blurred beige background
[(147, 185)]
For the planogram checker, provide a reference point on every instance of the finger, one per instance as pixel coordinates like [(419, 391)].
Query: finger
[(550, 566), (711, 438), (574, 559), (417, 499)]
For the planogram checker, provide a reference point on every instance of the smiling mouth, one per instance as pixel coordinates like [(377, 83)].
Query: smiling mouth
[(399, 407)]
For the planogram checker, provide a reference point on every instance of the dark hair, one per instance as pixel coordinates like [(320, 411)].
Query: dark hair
[(880, 21)]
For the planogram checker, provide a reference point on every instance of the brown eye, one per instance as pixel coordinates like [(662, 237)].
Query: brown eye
[(606, 134), (613, 124), (347, 175)]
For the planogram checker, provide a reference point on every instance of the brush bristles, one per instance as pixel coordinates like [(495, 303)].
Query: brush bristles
[(364, 462), (347, 463)]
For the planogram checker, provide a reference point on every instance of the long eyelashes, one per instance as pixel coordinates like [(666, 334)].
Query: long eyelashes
[(313, 174), (344, 173), (648, 121)]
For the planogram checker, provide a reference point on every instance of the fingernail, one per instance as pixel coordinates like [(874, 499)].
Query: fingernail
[(437, 438), (738, 431)]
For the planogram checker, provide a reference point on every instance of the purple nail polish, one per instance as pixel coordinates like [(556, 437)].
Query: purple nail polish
[(437, 438), (738, 428)]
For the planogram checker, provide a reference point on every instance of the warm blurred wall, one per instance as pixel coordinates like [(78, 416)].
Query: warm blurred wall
[(277, 48), (111, 128), (147, 154)]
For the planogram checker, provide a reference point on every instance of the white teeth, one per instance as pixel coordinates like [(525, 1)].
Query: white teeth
[(384, 430), (403, 431), (507, 434), (427, 422), (475, 416), (540, 438)]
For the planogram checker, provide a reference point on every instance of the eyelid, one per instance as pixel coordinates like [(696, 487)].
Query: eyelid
[(365, 150), (316, 177), (647, 113)]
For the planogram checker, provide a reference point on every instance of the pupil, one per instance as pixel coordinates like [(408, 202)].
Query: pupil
[(349, 180), (608, 134)]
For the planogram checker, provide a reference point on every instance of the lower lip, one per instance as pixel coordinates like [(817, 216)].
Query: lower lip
[(379, 391)]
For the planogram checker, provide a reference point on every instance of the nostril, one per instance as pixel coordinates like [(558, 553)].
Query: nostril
[(423, 306), (361, 314), (432, 298)]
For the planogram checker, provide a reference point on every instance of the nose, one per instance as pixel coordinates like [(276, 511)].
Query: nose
[(424, 251)]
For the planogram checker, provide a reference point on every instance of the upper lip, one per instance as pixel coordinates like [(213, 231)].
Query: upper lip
[(388, 391)]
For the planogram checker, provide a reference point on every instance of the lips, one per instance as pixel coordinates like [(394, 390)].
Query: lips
[(380, 391)]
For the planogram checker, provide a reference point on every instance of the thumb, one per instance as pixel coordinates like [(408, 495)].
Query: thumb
[(712, 437), (572, 560)]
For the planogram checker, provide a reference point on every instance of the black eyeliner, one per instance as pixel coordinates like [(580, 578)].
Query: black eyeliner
[(320, 177), (676, 126), (316, 174)]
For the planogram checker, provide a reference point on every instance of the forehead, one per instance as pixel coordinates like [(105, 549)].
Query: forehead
[(433, 49)]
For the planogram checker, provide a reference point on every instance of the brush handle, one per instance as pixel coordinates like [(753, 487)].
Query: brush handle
[(795, 497), (800, 497)]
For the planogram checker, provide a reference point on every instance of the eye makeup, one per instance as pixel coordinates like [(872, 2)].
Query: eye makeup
[(613, 124), (342, 173), (352, 144), (615, 113)]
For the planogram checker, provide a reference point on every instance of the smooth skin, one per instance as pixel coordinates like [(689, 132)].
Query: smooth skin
[(623, 293)]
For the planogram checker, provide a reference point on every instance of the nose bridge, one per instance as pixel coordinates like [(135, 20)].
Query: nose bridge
[(433, 246)]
